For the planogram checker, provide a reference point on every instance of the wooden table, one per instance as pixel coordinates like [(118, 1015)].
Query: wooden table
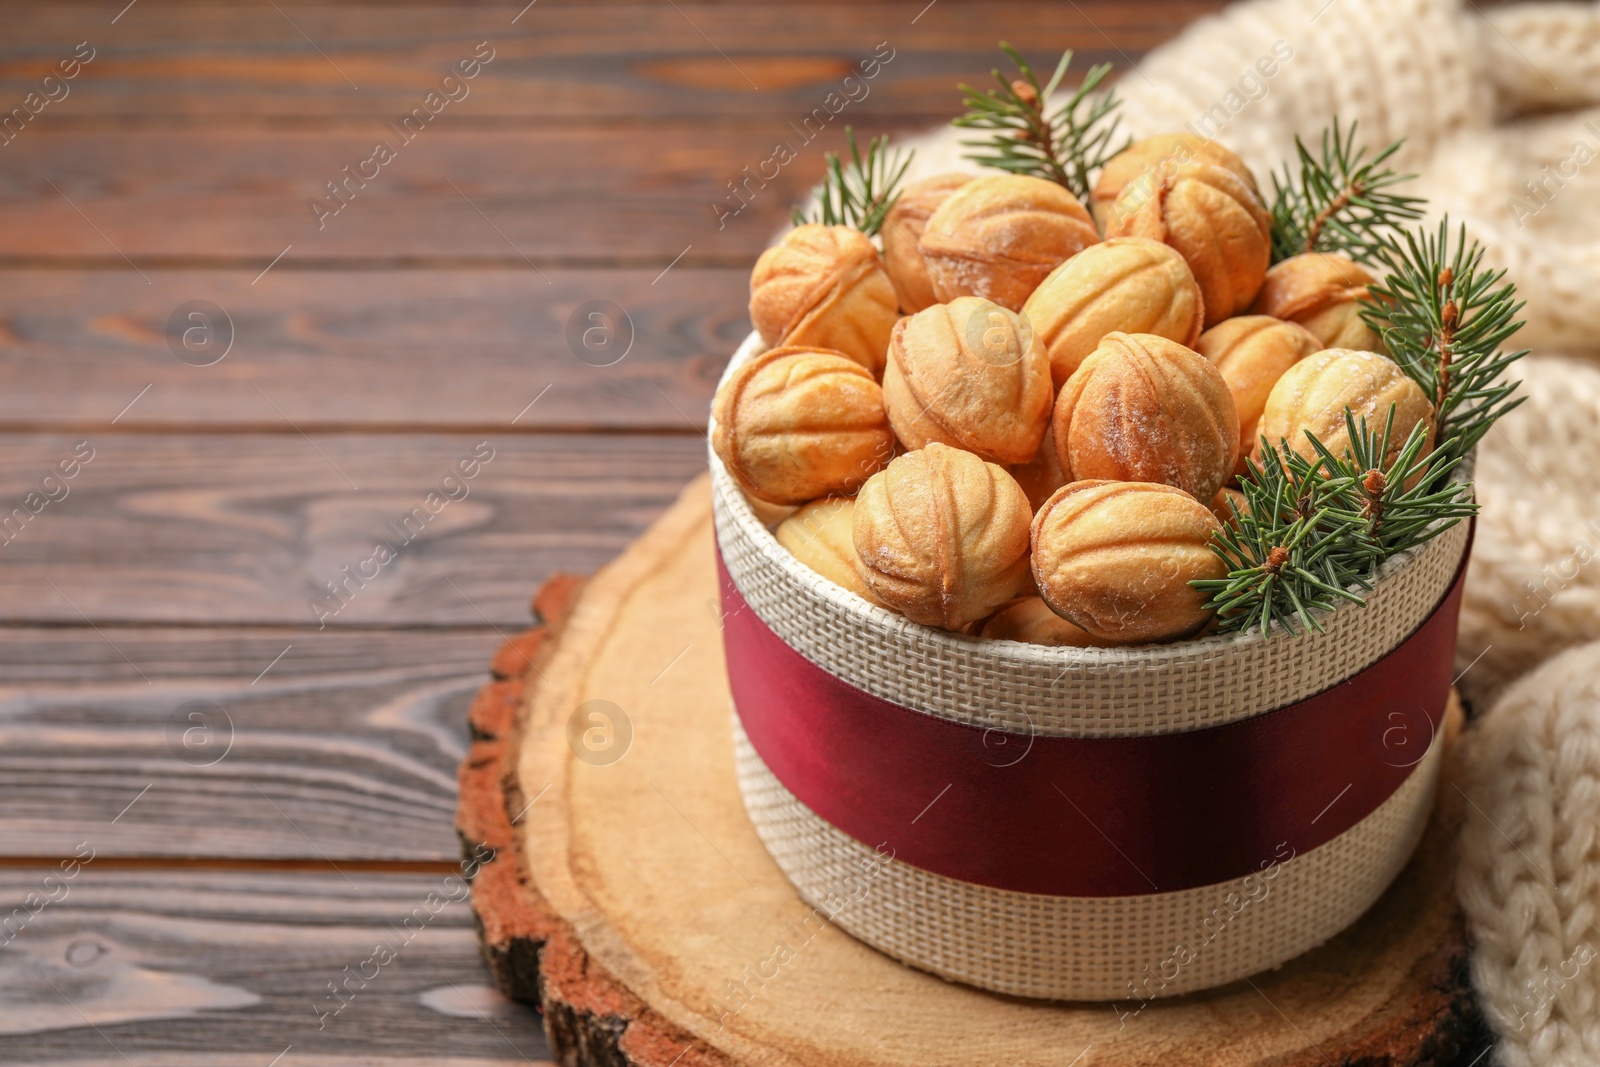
[(263, 769)]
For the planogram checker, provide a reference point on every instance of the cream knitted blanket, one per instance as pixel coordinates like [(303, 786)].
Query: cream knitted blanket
[(1499, 111), (1530, 863)]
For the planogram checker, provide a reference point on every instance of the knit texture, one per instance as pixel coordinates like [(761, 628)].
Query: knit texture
[(1529, 875), (1534, 584)]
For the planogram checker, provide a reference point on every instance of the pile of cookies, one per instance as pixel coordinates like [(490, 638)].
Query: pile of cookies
[(1021, 419)]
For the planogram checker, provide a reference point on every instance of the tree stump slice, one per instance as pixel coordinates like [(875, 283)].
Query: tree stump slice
[(630, 899)]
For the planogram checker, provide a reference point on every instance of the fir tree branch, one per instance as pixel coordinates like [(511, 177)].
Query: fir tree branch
[(1341, 201), (1067, 145), (1401, 503), (862, 192), (1285, 551), (1445, 318), (1313, 532)]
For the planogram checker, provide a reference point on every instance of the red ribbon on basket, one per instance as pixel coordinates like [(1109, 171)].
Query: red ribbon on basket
[(1070, 816)]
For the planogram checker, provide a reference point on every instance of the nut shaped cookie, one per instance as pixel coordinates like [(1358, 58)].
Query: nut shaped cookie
[(1323, 293), (1252, 352), (999, 236), (1116, 559), (942, 536), (972, 375), (1216, 221), (902, 233), (1130, 284), (1313, 394), (820, 536), (1142, 408), (795, 424), (1149, 160), (824, 287)]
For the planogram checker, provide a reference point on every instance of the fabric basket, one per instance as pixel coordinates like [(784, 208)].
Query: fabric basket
[(1082, 823)]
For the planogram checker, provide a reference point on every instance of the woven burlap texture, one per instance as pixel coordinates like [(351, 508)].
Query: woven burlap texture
[(1127, 949), (1064, 692)]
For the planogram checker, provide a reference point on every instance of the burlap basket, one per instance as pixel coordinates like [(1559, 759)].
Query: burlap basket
[(1075, 947)]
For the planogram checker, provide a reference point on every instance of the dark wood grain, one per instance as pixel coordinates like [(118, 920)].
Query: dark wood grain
[(245, 529), (217, 968), (322, 747), (587, 61), (143, 614), (399, 350), (455, 196)]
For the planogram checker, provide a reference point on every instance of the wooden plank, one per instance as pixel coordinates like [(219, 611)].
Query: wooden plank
[(181, 62), (324, 747), (402, 350), (165, 967), (146, 199), (250, 528)]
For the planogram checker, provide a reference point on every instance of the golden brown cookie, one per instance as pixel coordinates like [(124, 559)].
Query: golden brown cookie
[(972, 375), (902, 232), (1116, 558), (1323, 293), (1252, 352), (824, 287), (1216, 221), (820, 536), (1129, 284), (1142, 408), (795, 424), (1029, 619), (943, 536), (1149, 160), (999, 236), (1313, 394)]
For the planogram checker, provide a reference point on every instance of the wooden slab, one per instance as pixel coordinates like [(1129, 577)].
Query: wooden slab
[(243, 744), (641, 891), (163, 968), (567, 195), (248, 528), (559, 59), (83, 343)]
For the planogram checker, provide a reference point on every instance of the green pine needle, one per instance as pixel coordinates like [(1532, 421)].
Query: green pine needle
[(1283, 549), (862, 192), (1067, 145), (1313, 532), (1341, 201), (1400, 502), (1445, 317)]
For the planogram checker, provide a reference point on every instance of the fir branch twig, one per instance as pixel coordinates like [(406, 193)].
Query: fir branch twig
[(1400, 502), (1285, 550), (1067, 145), (862, 192), (1341, 201), (1314, 531), (1444, 317)]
